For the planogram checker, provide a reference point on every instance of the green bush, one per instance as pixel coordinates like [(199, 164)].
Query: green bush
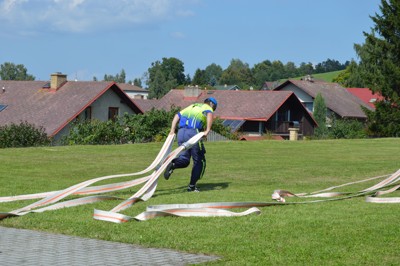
[(22, 135), (137, 128), (95, 132), (219, 128), (347, 129)]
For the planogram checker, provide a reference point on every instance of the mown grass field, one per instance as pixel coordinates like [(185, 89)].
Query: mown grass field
[(345, 232)]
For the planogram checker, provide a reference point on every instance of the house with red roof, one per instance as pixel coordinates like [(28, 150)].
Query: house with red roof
[(56, 104), (366, 95), (252, 113), (338, 100)]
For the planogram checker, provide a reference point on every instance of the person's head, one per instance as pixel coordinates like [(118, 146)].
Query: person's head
[(211, 102)]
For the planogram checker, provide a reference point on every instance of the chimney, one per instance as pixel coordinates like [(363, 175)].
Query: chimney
[(192, 92), (57, 80)]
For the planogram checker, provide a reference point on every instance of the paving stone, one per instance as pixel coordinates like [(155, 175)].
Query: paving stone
[(27, 247)]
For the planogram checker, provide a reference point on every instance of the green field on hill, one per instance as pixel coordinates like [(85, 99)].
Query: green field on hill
[(343, 232)]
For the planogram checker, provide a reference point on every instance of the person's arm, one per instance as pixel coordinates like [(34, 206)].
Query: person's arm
[(209, 123), (174, 123)]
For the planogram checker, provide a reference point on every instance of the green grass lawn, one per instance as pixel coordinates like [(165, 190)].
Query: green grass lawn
[(346, 232)]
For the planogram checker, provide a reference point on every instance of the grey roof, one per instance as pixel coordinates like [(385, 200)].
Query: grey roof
[(35, 103), (337, 98)]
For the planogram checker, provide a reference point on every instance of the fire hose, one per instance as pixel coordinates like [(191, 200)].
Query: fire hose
[(51, 200)]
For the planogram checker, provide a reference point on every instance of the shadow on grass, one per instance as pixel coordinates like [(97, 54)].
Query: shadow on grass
[(202, 187)]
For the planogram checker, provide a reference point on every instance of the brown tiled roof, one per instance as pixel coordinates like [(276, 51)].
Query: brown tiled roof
[(337, 98), (235, 105), (52, 109)]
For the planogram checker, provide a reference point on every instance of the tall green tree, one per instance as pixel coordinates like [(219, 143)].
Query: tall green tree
[(158, 87), (380, 68), (320, 116), (11, 71), (200, 78), (173, 67), (169, 73)]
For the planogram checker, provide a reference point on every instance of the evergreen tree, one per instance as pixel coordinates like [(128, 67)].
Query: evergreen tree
[(200, 78), (320, 116), (380, 68), (168, 74)]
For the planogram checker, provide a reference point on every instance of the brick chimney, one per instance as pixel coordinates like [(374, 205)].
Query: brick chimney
[(57, 80)]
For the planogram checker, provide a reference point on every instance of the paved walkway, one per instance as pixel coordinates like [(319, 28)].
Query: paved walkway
[(27, 247)]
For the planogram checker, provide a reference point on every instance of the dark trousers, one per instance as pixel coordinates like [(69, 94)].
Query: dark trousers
[(196, 152)]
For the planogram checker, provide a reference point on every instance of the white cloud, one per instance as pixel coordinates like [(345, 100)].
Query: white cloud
[(88, 15)]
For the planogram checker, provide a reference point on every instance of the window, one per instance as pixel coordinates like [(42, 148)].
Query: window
[(2, 107), (112, 113), (233, 124), (87, 114)]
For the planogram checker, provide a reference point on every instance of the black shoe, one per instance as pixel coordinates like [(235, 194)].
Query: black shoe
[(193, 189), (169, 171)]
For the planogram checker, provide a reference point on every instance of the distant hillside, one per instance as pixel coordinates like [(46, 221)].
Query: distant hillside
[(328, 76)]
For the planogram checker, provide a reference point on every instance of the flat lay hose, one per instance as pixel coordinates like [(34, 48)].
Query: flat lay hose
[(52, 200)]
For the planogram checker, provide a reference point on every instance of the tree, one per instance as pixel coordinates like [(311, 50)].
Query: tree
[(350, 77), (380, 68), (173, 67), (278, 71), (329, 65), (119, 78), (320, 116), (200, 78), (237, 73), (213, 73), (306, 69), (137, 82), (10, 71), (291, 70), (158, 86), (261, 73), (164, 76)]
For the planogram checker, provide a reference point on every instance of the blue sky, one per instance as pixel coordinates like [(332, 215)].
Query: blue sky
[(87, 38)]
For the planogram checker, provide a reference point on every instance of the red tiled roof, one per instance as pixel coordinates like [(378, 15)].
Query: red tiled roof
[(245, 105), (337, 98), (366, 95), (52, 109)]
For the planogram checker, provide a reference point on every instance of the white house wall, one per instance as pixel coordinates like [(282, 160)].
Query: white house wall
[(108, 99), (99, 110)]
